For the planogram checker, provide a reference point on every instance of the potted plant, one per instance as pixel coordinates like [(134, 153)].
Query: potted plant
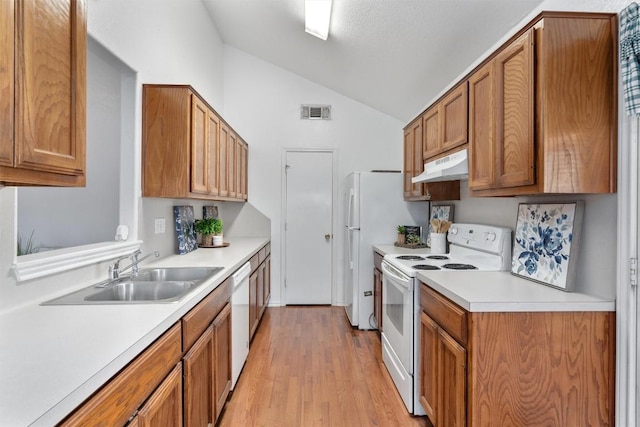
[(211, 231), (401, 231)]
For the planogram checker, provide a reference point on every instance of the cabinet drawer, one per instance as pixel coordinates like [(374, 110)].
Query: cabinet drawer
[(377, 260), (262, 254), (450, 316), (114, 403), (201, 316), (267, 249)]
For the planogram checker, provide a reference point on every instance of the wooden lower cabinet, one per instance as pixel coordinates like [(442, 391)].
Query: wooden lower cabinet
[(198, 381), (377, 289), (221, 359), (164, 407), (259, 287), (515, 368)]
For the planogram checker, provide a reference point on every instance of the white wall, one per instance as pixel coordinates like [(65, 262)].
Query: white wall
[(262, 102), (64, 217)]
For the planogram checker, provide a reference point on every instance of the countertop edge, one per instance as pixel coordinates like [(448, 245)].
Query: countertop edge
[(96, 380)]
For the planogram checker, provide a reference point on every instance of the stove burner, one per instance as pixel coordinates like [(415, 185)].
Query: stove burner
[(426, 267), (438, 257), (410, 257), (454, 266)]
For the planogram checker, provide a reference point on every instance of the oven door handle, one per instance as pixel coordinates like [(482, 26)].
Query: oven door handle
[(397, 277)]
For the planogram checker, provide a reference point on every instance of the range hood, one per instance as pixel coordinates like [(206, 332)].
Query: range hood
[(449, 168)]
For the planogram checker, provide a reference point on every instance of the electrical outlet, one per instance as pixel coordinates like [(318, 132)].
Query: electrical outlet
[(160, 225)]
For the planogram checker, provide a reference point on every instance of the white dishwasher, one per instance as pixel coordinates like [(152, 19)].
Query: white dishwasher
[(239, 321)]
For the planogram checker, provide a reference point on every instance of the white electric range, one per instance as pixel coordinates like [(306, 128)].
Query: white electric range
[(471, 247)]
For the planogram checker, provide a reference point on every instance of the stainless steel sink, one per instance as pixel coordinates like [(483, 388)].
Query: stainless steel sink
[(150, 286), (176, 273), (135, 291)]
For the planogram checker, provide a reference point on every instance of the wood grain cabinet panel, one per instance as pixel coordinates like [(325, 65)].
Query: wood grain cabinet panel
[(199, 404), (516, 368), (7, 84), (164, 407), (413, 166), (43, 92), (259, 287), (221, 359), (543, 110), (501, 103), (188, 151), (445, 124)]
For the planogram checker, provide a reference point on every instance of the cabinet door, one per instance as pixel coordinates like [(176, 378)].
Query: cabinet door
[(418, 161), (199, 146), (452, 357), (164, 407), (198, 382), (408, 163), (214, 153), (244, 171), (514, 108), (377, 297), (221, 359), (253, 302), (266, 283), (428, 377), (232, 146), (481, 131), (223, 162), (50, 104), (6, 81), (432, 137), (238, 168), (454, 118), (260, 293)]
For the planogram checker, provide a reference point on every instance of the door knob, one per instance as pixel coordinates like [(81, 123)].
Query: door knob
[(327, 236)]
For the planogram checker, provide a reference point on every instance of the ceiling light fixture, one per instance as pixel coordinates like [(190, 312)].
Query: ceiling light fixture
[(317, 14)]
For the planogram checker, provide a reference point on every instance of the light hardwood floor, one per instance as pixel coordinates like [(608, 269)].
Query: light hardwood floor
[(308, 367)]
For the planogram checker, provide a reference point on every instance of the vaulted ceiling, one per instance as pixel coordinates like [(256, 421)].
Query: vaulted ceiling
[(392, 55)]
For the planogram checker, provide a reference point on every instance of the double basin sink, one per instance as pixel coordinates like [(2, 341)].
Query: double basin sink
[(152, 285)]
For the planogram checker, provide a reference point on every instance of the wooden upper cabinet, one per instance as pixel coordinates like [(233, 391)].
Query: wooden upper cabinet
[(43, 45), (232, 148), (224, 160), (7, 36), (545, 105), (199, 146), (445, 124), (187, 149), (412, 159), (481, 129), (244, 178)]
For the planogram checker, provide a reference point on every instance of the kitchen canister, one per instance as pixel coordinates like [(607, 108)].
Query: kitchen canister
[(438, 243)]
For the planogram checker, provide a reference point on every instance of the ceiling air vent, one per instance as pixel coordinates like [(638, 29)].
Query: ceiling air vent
[(315, 112)]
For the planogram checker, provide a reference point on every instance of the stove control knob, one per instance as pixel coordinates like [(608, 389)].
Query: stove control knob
[(491, 237), (453, 231)]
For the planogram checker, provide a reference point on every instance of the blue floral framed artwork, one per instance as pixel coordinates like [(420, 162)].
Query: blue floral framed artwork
[(546, 242), (185, 231)]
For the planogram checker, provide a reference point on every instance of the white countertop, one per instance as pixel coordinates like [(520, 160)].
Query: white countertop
[(500, 291), (384, 249), (53, 357)]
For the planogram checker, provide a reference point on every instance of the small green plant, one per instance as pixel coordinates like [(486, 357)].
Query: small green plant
[(401, 229), (28, 247), (209, 226)]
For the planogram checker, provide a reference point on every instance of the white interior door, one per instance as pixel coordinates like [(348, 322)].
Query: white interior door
[(308, 227)]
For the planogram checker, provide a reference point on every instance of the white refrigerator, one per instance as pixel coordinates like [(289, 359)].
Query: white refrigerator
[(374, 207)]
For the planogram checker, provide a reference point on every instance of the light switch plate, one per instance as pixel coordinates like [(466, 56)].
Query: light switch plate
[(160, 225)]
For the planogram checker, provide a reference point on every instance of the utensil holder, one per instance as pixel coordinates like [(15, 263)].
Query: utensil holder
[(438, 243)]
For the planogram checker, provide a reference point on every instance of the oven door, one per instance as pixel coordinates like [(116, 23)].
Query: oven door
[(397, 314)]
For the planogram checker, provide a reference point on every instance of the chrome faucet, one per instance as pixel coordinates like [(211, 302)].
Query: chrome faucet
[(115, 270)]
